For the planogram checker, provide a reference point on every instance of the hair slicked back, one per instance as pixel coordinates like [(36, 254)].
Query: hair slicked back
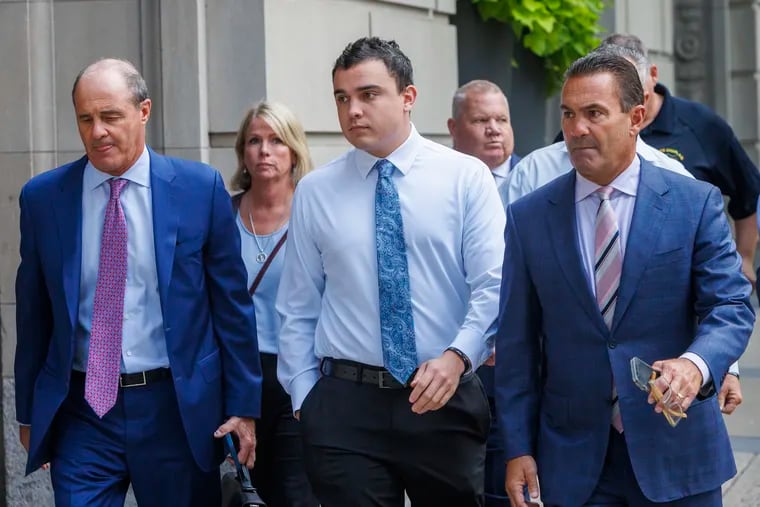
[(599, 61)]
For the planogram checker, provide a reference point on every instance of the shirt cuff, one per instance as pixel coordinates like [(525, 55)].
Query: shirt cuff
[(734, 368), (301, 385), (473, 345), (700, 363)]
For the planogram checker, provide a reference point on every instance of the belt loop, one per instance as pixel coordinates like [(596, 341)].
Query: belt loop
[(359, 373)]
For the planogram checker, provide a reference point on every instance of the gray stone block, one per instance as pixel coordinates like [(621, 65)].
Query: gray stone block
[(744, 106), (84, 32), (16, 170), (236, 61), (743, 20), (14, 83), (8, 337)]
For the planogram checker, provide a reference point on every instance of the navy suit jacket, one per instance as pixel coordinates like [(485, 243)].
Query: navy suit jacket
[(208, 316), (681, 290)]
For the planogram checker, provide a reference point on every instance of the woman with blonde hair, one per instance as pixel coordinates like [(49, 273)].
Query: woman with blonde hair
[(272, 157)]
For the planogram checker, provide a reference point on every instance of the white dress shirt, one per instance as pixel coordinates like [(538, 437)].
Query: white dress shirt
[(623, 201), (328, 298), (143, 344), (541, 166)]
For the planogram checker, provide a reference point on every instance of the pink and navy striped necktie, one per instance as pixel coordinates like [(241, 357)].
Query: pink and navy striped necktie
[(104, 359), (608, 265)]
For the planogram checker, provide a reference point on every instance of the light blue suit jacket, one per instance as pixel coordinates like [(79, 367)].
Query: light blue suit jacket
[(208, 315), (681, 290)]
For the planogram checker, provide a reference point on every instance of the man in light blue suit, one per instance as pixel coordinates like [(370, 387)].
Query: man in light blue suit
[(136, 334), (613, 260)]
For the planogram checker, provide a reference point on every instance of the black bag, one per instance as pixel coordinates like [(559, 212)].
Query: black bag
[(237, 490)]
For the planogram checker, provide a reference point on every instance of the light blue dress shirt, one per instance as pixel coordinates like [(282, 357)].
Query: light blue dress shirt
[(267, 318), (328, 298), (143, 342)]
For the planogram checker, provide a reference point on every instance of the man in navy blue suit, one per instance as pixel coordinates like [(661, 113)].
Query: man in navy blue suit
[(136, 335), (614, 260), (481, 126)]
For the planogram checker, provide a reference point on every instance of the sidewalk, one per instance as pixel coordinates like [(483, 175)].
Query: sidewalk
[(744, 427)]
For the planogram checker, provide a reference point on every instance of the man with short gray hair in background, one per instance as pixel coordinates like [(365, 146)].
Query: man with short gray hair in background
[(481, 126)]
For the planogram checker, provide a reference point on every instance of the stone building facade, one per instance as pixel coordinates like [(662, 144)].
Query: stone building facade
[(205, 61)]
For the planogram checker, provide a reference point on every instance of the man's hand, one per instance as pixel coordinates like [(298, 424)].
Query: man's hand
[(522, 472), (749, 271), (730, 395), (24, 434), (491, 361), (746, 242), (245, 429), (684, 379), (436, 382)]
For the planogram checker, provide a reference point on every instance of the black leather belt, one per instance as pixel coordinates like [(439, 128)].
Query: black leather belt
[(358, 372), (141, 378)]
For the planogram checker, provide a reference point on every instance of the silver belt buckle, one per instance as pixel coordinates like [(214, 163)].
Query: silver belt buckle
[(144, 381)]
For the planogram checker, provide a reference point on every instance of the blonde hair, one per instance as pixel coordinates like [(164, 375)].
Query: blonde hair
[(287, 127)]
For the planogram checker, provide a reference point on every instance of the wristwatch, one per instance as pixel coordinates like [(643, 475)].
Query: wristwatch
[(464, 358)]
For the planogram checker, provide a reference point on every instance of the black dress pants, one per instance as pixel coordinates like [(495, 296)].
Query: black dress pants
[(279, 474), (363, 446)]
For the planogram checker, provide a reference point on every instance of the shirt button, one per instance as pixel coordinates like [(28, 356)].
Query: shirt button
[(129, 353)]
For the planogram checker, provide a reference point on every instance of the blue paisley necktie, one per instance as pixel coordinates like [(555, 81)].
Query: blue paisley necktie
[(396, 321)]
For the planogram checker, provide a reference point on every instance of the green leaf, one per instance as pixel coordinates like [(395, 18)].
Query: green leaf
[(558, 31), (532, 5)]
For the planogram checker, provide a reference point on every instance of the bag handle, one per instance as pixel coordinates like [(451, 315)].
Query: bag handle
[(242, 472)]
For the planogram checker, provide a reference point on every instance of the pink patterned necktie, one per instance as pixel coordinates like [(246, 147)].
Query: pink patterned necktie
[(608, 265), (104, 359)]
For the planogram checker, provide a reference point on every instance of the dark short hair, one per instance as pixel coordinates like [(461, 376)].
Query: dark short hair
[(623, 72), (373, 48), (135, 82)]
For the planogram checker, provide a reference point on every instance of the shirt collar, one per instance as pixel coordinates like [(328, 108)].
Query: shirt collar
[(502, 170), (665, 121), (139, 173), (626, 182), (402, 157)]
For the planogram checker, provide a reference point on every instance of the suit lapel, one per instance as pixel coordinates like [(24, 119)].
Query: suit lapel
[(68, 216), (165, 220), (646, 225), (562, 228)]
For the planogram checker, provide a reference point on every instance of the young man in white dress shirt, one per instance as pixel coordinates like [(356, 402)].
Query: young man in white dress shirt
[(390, 286)]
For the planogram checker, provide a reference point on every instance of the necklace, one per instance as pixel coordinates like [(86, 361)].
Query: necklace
[(261, 257)]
